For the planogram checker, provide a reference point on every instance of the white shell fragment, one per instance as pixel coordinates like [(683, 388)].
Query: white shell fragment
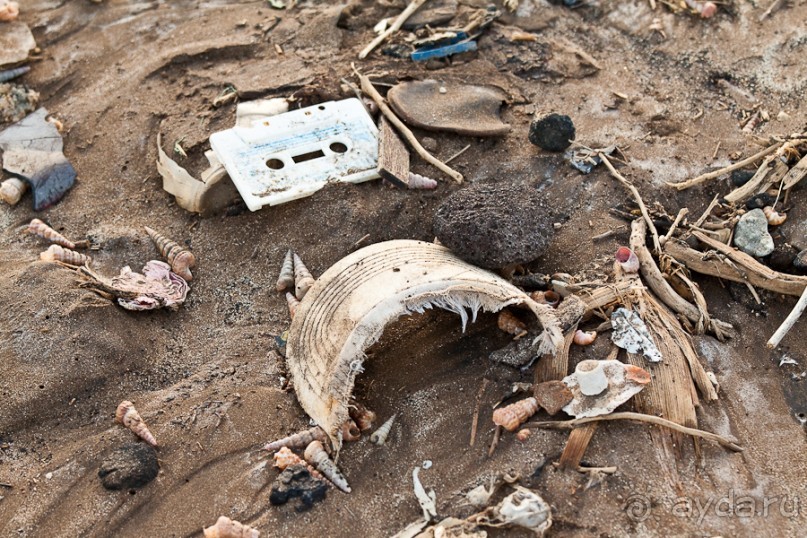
[(522, 508), (622, 382), (428, 500), (630, 333), (348, 307), (379, 437)]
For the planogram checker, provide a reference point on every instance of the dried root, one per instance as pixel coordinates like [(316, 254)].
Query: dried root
[(127, 415), (228, 528), (180, 259), (514, 415), (316, 455)]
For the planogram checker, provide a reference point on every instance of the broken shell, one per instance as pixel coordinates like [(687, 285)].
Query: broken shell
[(510, 324), (57, 253), (547, 297), (523, 434), (127, 415), (302, 278), (180, 258), (622, 382), (774, 218), (362, 416), (379, 437), (627, 260), (584, 338), (591, 377), (286, 278), (228, 528), (286, 458), (37, 227), (350, 431), (351, 303), (523, 508), (11, 190), (298, 440), (514, 415), (316, 455), (292, 301)]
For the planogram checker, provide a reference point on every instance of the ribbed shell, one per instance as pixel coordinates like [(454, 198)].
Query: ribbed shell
[(11, 190), (127, 415), (302, 278), (292, 301), (379, 436), (180, 258), (37, 227), (286, 279), (298, 440), (514, 415), (228, 528), (57, 253), (316, 455)]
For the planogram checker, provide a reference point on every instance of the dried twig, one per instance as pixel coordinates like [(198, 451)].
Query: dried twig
[(681, 214), (475, 421), (368, 88), (773, 7), (791, 319), (460, 152), (495, 442), (641, 417), (394, 27), (717, 173)]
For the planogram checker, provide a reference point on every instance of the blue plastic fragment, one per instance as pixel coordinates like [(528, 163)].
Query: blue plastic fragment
[(442, 52)]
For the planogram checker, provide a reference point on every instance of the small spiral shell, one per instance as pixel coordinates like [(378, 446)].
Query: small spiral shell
[(584, 338), (12, 189), (379, 437), (362, 416), (316, 455), (514, 415), (37, 227), (774, 218), (523, 434), (627, 260), (286, 278), (228, 528), (57, 253), (127, 415), (510, 324), (292, 301), (180, 258), (350, 431), (416, 181), (298, 440), (302, 278), (547, 297)]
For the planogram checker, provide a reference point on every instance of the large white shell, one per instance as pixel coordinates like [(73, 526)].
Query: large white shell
[(348, 307), (622, 382)]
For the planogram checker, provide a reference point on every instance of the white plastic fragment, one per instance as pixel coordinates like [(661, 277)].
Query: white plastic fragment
[(630, 333), (259, 112), (426, 500)]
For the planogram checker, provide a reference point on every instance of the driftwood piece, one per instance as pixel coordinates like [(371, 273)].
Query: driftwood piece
[(393, 157), (728, 169), (795, 174), (394, 27), (765, 176), (791, 319)]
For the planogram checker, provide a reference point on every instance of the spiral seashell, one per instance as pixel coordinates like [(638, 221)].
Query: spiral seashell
[(180, 258), (37, 227), (350, 431), (416, 181), (302, 278), (292, 301), (9, 11), (362, 416), (523, 434), (298, 440), (57, 253), (316, 455), (514, 415), (286, 458), (228, 528), (584, 338), (286, 278), (127, 415), (774, 218), (627, 260), (547, 297), (11, 190), (510, 324), (379, 437)]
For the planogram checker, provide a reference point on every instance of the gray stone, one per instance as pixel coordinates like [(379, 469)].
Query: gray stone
[(131, 466), (800, 261), (751, 234), (495, 225)]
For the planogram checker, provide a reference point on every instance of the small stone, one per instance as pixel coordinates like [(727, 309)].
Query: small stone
[(760, 200), (800, 261), (518, 353), (429, 143), (751, 234), (131, 466), (783, 257), (495, 225), (741, 177), (552, 132), (296, 481), (552, 395)]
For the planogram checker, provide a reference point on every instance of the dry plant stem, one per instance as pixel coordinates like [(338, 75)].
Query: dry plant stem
[(475, 421), (637, 197), (681, 214), (773, 7), (708, 211), (368, 88), (717, 173), (394, 27), (795, 174), (791, 319), (641, 417), (460, 152), (762, 180), (495, 442)]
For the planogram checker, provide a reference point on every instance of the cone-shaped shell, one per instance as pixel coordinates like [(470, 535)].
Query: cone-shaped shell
[(316, 455), (180, 258), (302, 278), (57, 253), (228, 528), (298, 440), (348, 307), (379, 437), (127, 415), (286, 279), (292, 301), (514, 415), (37, 227)]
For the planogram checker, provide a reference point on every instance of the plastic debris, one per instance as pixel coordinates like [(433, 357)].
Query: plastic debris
[(299, 152), (156, 288), (630, 333), (32, 151), (585, 160), (599, 387), (432, 52)]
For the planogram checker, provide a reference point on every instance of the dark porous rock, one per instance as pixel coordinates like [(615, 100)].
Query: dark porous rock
[(552, 132), (761, 200), (129, 467), (495, 225), (782, 257), (296, 481), (800, 261), (741, 177)]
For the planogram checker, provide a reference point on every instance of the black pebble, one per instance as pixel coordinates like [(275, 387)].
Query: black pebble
[(800, 261), (760, 200), (296, 481), (553, 132), (129, 467), (783, 257), (741, 177)]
